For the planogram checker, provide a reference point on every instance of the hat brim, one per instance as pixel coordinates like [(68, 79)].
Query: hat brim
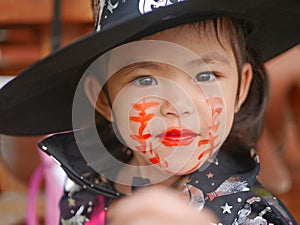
[(39, 100)]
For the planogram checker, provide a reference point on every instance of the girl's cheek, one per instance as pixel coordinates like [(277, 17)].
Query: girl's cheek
[(215, 127), (141, 114), (140, 117)]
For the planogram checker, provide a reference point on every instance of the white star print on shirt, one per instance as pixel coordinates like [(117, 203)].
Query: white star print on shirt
[(226, 208)]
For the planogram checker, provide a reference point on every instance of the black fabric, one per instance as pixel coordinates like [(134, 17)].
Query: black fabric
[(64, 148), (228, 186)]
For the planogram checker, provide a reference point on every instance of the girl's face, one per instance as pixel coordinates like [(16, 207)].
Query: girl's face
[(173, 119)]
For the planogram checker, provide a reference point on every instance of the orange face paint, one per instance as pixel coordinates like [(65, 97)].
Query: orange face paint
[(212, 146), (216, 105), (143, 118), (155, 159)]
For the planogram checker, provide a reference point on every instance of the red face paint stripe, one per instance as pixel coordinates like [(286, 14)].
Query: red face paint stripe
[(213, 102), (203, 142), (140, 138), (215, 124), (143, 118), (144, 106), (208, 151), (155, 159)]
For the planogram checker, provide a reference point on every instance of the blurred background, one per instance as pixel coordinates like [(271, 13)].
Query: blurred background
[(31, 29)]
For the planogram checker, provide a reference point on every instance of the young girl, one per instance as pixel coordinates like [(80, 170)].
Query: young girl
[(177, 91)]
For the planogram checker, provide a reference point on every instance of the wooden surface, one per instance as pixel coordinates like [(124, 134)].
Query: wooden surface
[(25, 30), (25, 37), (41, 11)]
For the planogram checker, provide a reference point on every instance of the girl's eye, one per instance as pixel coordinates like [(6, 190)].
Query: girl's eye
[(205, 77), (145, 81)]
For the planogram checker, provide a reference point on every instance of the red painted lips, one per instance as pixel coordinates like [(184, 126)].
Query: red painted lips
[(177, 137)]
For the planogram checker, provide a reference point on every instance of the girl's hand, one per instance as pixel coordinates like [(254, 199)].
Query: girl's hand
[(157, 206)]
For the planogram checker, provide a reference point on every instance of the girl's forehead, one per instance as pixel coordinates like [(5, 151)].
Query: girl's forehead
[(182, 47), (148, 52)]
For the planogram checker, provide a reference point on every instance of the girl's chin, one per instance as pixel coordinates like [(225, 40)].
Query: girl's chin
[(182, 171)]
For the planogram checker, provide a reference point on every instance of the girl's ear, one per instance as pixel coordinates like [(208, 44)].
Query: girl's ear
[(246, 78), (97, 97)]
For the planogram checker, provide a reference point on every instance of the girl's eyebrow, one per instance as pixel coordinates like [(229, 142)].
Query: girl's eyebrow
[(140, 65), (211, 58)]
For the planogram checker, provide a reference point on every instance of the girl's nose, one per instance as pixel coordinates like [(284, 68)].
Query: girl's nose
[(177, 100), (177, 109)]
